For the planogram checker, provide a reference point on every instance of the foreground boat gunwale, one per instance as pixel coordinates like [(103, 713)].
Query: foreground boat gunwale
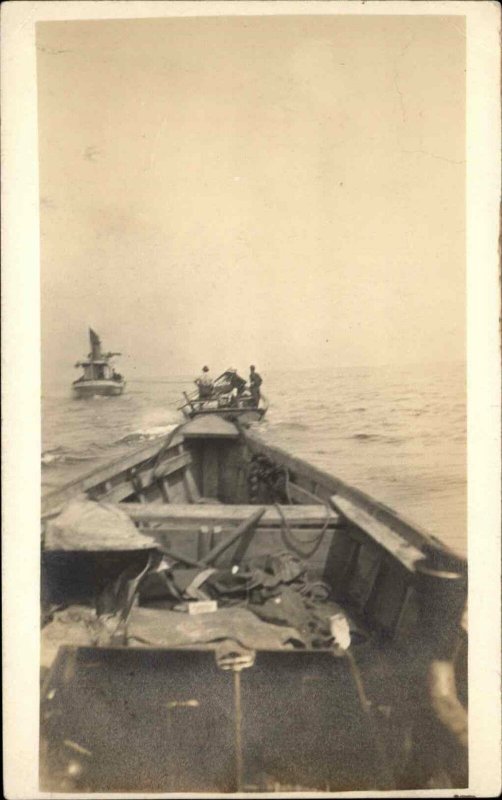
[(51, 501), (328, 484), (339, 486), (423, 647)]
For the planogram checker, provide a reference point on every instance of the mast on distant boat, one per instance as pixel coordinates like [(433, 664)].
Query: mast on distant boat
[(95, 354), (97, 369)]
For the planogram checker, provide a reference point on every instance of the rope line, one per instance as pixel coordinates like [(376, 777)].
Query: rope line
[(294, 543)]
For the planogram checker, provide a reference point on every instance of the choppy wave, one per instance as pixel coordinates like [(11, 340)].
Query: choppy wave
[(62, 455), (52, 457), (292, 426), (147, 434), (375, 437)]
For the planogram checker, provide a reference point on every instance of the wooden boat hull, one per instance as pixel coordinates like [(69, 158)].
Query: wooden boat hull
[(389, 714), (97, 388), (217, 407), (244, 415)]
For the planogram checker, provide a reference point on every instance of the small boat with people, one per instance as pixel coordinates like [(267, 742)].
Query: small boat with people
[(99, 377), (219, 615), (228, 396)]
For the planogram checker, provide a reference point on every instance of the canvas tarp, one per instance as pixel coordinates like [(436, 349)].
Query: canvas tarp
[(86, 525)]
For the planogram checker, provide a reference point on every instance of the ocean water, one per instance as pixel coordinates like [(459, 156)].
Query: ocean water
[(397, 433)]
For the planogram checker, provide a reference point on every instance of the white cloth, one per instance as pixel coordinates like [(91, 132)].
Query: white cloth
[(205, 379)]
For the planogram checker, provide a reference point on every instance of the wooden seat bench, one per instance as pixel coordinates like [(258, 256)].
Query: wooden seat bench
[(176, 515), (195, 528)]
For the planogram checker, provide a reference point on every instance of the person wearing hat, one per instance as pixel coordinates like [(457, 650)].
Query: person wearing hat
[(205, 384), (255, 381)]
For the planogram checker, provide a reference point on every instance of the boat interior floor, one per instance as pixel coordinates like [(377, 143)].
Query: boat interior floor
[(163, 623), (220, 616), (293, 698)]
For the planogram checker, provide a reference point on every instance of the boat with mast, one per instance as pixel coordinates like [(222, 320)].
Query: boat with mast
[(99, 376)]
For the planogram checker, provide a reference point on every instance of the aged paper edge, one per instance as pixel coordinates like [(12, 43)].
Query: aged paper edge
[(21, 367)]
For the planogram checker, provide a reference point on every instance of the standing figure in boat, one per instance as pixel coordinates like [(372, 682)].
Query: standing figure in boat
[(205, 384), (228, 395), (99, 377), (255, 381)]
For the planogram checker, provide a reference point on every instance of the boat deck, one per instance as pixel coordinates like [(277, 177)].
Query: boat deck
[(258, 683)]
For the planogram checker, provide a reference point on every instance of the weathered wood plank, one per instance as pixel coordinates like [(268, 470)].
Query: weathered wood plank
[(232, 538), (179, 531), (380, 533), (219, 514), (209, 427), (164, 490), (191, 487), (301, 495), (176, 489), (210, 470), (172, 465), (194, 543), (104, 472), (146, 477), (364, 571)]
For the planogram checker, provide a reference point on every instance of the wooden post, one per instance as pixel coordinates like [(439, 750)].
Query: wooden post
[(210, 470), (203, 546), (239, 531)]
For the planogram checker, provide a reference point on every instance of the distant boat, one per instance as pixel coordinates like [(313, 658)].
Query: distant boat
[(99, 376)]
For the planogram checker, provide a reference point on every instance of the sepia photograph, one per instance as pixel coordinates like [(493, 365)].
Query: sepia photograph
[(255, 370)]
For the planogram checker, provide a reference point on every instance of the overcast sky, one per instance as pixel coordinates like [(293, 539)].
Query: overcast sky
[(284, 191)]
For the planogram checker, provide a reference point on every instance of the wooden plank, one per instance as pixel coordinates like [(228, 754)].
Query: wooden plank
[(210, 427), (409, 609), (191, 487), (196, 447), (240, 530), (233, 487), (164, 490), (379, 533), (364, 571), (146, 478), (385, 604), (264, 542), (176, 489), (104, 472), (180, 531), (301, 495), (205, 541), (173, 464), (210, 470), (219, 514), (119, 492), (340, 561)]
